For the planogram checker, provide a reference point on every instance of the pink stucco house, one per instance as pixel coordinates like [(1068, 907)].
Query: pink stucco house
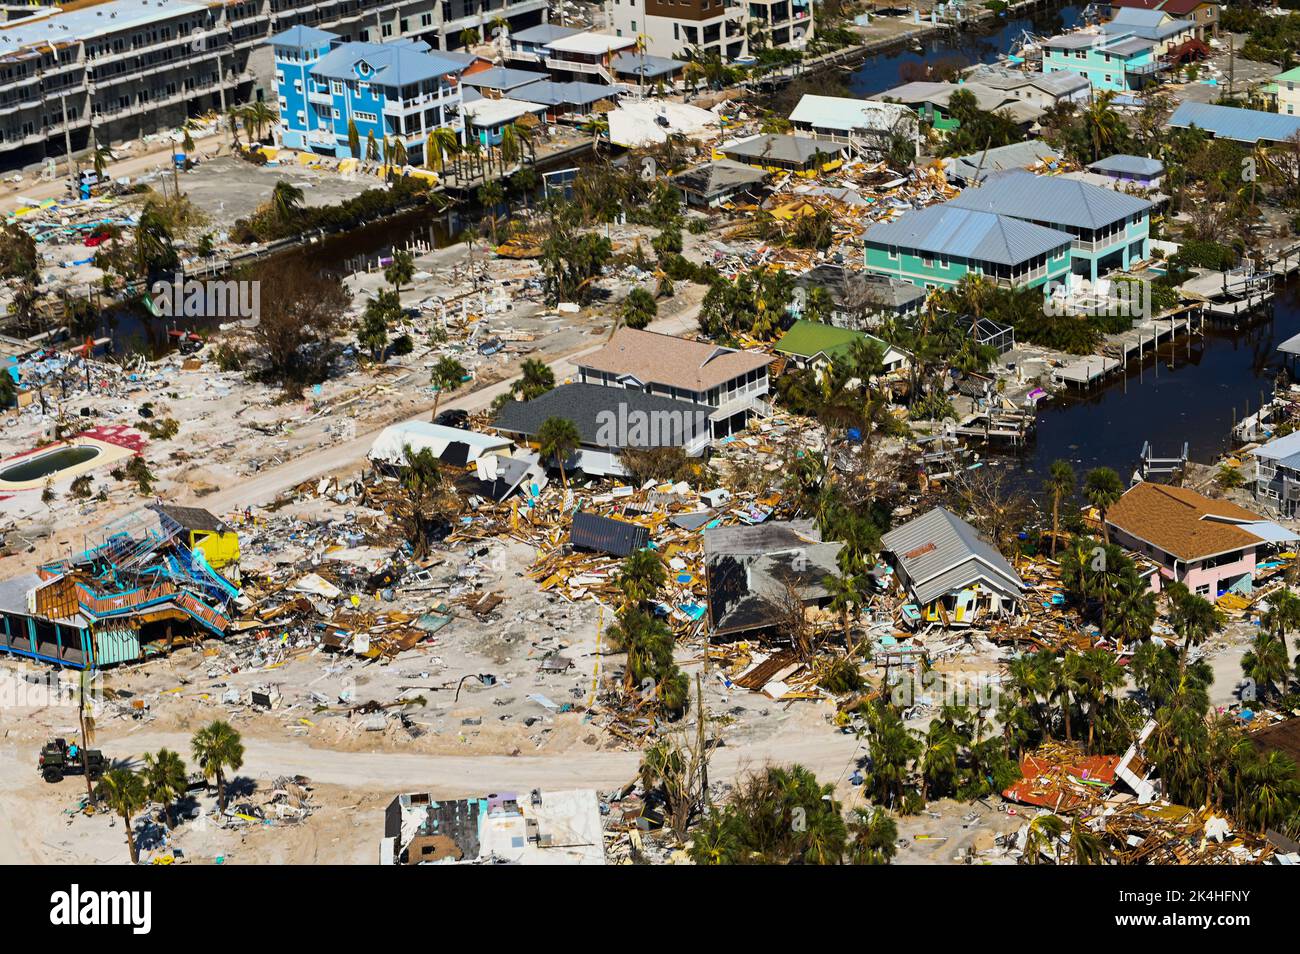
[(1210, 545)]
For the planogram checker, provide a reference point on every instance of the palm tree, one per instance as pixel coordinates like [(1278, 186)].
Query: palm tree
[(100, 159), (1043, 835), (218, 747), (525, 182), (286, 199), (260, 115), (1060, 485), (535, 379), (845, 591), (1193, 618), (164, 779), (400, 270), (1103, 488), (124, 792), (447, 375), (874, 837), (639, 309), (442, 143), (1273, 789), (1103, 124), (939, 753), (1099, 676), (1265, 663), (469, 37), (510, 147), (641, 577), (1131, 614), (372, 147), (557, 439), (400, 156), (354, 140), (1282, 616), (233, 117), (501, 26), (490, 196)]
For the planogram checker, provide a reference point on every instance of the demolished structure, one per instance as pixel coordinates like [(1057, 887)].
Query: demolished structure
[(138, 591), (950, 572), (547, 828), (758, 574)]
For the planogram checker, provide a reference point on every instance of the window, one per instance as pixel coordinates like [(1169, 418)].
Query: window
[(365, 117), (633, 26), (336, 87)]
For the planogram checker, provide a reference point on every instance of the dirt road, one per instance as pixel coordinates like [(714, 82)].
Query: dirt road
[(157, 158), (827, 754)]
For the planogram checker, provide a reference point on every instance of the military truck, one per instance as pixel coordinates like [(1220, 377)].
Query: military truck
[(55, 762)]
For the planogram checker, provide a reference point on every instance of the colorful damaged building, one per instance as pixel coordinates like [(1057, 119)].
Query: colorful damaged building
[(158, 578)]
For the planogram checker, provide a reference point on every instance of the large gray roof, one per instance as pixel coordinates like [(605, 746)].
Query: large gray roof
[(716, 178), (1145, 23), (783, 148), (543, 33), (979, 166), (503, 78), (949, 230), (939, 553), (303, 37), (586, 405), (1124, 164), (1067, 202), (548, 93), (643, 64)]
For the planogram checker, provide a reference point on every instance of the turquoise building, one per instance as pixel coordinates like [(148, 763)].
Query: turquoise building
[(1108, 229), (936, 247), (1117, 62), (392, 91)]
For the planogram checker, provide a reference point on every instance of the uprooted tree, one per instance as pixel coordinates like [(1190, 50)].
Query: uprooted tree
[(301, 309)]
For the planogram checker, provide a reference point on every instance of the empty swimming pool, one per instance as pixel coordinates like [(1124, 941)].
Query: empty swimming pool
[(39, 466)]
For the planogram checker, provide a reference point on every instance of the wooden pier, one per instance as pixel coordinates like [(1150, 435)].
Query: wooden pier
[(1145, 336)]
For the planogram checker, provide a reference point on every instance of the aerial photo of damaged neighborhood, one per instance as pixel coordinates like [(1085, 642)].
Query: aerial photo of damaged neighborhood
[(705, 432)]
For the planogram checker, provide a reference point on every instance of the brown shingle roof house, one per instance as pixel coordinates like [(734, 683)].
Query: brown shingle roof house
[(1182, 522), (657, 359)]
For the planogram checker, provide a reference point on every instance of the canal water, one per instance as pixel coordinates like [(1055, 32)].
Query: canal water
[(1225, 377), (1190, 397), (885, 70)]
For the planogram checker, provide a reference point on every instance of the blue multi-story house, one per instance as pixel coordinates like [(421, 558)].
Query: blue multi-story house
[(389, 91)]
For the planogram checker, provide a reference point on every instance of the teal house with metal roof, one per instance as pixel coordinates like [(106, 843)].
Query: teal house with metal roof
[(397, 90), (1108, 229), (936, 247), (1109, 62)]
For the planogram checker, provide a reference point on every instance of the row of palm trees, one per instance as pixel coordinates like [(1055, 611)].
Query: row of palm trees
[(163, 779), (255, 118)]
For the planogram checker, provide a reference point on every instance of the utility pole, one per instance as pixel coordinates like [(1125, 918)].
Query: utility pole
[(67, 124), (1232, 62)]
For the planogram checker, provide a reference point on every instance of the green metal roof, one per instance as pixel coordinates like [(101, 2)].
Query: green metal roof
[(809, 338)]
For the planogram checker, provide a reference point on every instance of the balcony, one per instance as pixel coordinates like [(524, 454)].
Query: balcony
[(578, 66), (401, 108)]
